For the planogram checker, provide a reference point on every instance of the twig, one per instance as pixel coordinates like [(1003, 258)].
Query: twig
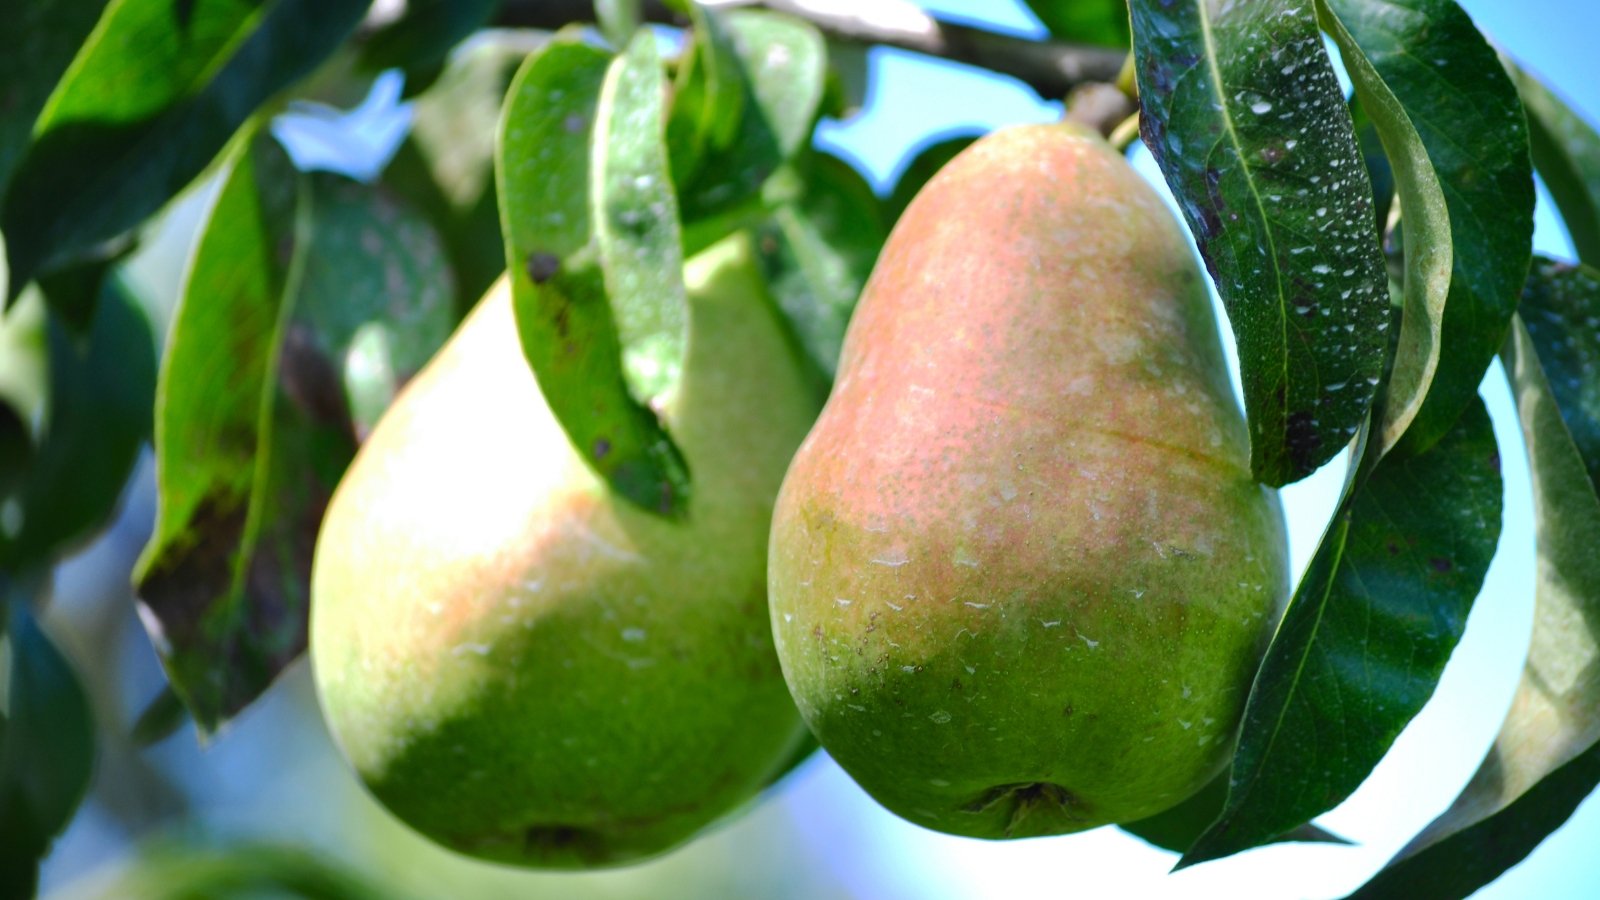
[(1050, 67)]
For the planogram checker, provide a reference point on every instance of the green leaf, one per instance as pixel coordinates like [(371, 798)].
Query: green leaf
[(1426, 234), (708, 96), (817, 252), (30, 68), (254, 424), (102, 388), (782, 64), (590, 268), (1546, 758), (1179, 827), (420, 41), (927, 163), (1366, 636), (1566, 151), (1448, 83), (151, 98), (46, 746), (1379, 172), (170, 870), (1247, 122), (1103, 22), (446, 167), (618, 20)]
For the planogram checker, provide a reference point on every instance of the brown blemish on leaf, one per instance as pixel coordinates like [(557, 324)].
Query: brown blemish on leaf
[(542, 267)]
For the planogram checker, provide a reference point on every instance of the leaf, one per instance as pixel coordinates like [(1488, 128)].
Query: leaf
[(708, 96), (420, 41), (102, 388), (46, 745), (817, 252), (1366, 636), (253, 421), (150, 99), (172, 870), (1566, 151), (1379, 172), (618, 20), (30, 68), (446, 167), (782, 64), (1426, 234), (1546, 758), (1465, 112), (929, 160), (1247, 122), (1177, 828), (1102, 22), (571, 135)]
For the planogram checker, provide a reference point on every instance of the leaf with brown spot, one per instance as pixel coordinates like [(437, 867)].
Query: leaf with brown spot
[(254, 416)]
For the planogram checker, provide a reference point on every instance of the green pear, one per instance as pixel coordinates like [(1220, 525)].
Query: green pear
[(1020, 575), (521, 664)]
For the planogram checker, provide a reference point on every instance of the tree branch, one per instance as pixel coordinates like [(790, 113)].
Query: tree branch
[(1052, 68)]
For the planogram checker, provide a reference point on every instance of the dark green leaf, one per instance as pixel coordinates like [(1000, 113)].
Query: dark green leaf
[(708, 97), (1464, 109), (102, 387), (30, 67), (1246, 119), (148, 102), (1179, 827), (562, 102), (927, 163), (782, 63), (1566, 150), (817, 252), (16, 451), (161, 718), (1379, 172), (1103, 22), (1546, 758), (419, 42), (1426, 235), (254, 422), (1366, 636), (46, 747)]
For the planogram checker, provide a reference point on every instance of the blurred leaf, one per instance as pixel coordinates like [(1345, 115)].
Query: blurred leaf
[(817, 252), (570, 134), (1259, 150), (446, 167), (1566, 151), (16, 450), (1546, 758), (419, 42), (1448, 82), (171, 871), (929, 160), (30, 68), (618, 20), (708, 96), (46, 746), (1179, 827), (1426, 234), (161, 718), (1103, 22), (1366, 636), (71, 292), (155, 93), (782, 64), (102, 388), (253, 423)]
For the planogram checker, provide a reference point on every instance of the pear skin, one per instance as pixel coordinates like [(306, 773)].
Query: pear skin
[(518, 662), (1020, 575)]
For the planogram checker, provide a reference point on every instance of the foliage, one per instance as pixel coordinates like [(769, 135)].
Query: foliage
[(1372, 264)]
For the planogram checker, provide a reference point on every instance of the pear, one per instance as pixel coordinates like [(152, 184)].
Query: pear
[(519, 663), (1020, 575)]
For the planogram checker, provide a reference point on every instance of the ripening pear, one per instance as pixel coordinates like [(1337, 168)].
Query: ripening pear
[(521, 664), (1020, 574)]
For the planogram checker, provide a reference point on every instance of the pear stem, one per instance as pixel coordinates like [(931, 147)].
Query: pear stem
[(1053, 68)]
